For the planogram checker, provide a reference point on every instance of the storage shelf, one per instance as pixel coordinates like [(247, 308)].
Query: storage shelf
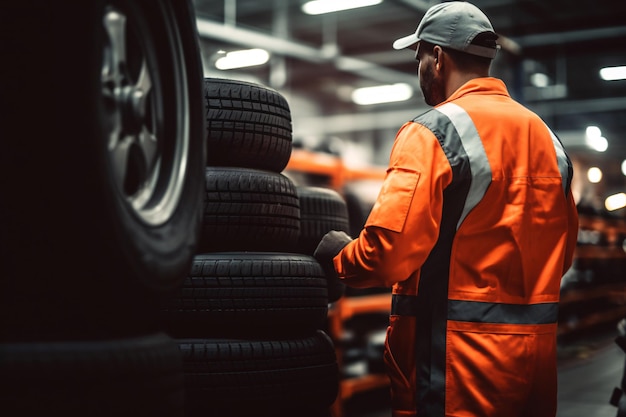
[(347, 307), (342, 310), (599, 252), (369, 382)]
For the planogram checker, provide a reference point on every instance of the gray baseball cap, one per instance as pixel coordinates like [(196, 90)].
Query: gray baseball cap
[(454, 25)]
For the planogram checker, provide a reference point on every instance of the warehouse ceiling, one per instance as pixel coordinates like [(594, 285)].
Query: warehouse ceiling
[(318, 60)]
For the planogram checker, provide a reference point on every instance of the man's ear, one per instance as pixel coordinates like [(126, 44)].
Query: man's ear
[(438, 55)]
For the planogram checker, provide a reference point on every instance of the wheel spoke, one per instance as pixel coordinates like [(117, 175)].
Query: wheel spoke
[(147, 139), (144, 83), (149, 148), (115, 25), (113, 79), (120, 153)]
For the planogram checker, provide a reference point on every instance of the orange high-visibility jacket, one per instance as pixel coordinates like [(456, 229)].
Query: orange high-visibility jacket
[(474, 227)]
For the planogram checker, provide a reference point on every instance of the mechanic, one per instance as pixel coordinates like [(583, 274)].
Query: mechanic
[(473, 229)]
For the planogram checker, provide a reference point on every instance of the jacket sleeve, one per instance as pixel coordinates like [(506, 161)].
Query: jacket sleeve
[(403, 226)]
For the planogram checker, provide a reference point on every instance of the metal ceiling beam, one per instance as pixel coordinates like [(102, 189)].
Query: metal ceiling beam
[(560, 38), (355, 122), (244, 37), (232, 34)]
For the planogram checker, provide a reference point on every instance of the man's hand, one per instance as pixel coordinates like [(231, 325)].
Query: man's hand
[(331, 244)]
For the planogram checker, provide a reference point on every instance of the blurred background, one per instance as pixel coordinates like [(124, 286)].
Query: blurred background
[(349, 92)]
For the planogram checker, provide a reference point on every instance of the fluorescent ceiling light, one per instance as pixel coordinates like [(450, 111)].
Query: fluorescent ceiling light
[(613, 73), (329, 6), (595, 140), (243, 58), (615, 202), (539, 80), (594, 174), (382, 94)]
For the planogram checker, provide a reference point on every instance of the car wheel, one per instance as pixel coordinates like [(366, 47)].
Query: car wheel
[(106, 201)]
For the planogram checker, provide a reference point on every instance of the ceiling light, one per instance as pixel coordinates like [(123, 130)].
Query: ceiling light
[(624, 167), (382, 94), (600, 144), (613, 73), (594, 174), (615, 202), (539, 80), (593, 131), (243, 58), (595, 140), (329, 6)]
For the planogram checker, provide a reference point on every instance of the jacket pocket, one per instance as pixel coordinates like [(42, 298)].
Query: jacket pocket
[(498, 370), (402, 394), (397, 192)]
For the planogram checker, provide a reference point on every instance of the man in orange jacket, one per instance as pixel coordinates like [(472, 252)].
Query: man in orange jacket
[(473, 228)]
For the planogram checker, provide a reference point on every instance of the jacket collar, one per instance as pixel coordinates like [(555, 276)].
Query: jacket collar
[(486, 85)]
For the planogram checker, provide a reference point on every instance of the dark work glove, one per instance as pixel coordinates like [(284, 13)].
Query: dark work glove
[(331, 244)]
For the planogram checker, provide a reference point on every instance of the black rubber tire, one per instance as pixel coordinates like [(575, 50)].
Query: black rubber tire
[(135, 377), (321, 210), (81, 230), (248, 125), (356, 212), (288, 377), (244, 294), (360, 196), (249, 210)]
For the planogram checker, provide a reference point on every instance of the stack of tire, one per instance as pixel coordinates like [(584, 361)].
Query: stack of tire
[(101, 205), (250, 316)]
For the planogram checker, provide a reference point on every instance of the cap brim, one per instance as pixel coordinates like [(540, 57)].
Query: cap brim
[(406, 42)]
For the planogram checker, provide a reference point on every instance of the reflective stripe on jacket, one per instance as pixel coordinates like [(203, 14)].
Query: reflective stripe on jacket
[(474, 227)]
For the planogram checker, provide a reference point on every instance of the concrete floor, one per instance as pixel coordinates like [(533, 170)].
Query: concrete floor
[(590, 367), (586, 385)]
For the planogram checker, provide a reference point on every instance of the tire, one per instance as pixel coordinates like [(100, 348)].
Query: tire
[(266, 378), (248, 125), (112, 208), (246, 294), (142, 376), (321, 210), (249, 210), (360, 196)]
